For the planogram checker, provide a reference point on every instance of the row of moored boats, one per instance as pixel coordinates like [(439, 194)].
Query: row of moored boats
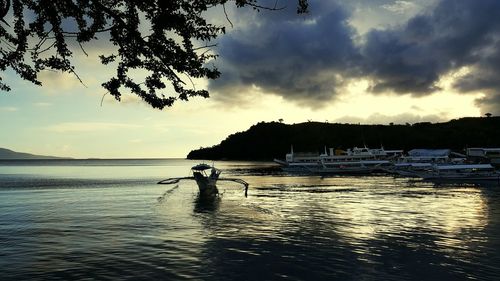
[(478, 164)]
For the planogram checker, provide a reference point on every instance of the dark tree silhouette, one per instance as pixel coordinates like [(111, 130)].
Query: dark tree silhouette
[(265, 141), (169, 39)]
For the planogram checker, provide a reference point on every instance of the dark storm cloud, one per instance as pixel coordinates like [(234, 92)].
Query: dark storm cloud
[(398, 64), (485, 76), (308, 59), (411, 59), (300, 58), (490, 104)]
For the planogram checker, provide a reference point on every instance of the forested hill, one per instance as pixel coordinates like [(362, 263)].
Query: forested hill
[(7, 154), (266, 141)]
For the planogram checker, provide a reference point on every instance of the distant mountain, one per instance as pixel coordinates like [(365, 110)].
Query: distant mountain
[(265, 141), (7, 154)]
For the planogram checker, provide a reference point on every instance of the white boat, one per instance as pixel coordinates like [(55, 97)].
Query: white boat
[(353, 161), (421, 160), (408, 169), (461, 172), (206, 182), (351, 167), (481, 154)]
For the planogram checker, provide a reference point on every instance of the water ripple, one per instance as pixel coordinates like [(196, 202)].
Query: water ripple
[(68, 226)]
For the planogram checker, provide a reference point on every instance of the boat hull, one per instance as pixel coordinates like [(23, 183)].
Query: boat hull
[(206, 185), (464, 178)]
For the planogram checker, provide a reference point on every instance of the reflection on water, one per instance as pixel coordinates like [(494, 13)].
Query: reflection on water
[(204, 204), (289, 227)]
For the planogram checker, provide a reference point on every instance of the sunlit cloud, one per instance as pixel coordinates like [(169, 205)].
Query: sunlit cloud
[(399, 7), (42, 104), (403, 118), (90, 127), (8, 109), (57, 83)]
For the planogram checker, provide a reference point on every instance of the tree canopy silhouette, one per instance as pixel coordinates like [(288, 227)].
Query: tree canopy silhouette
[(265, 141), (170, 40)]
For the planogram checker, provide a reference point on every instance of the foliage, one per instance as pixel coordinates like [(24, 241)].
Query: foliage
[(265, 141), (156, 36)]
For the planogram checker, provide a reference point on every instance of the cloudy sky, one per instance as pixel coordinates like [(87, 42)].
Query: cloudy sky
[(358, 61)]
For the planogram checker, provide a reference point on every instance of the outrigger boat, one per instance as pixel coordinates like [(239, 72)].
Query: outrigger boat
[(206, 182), (422, 160), (485, 155), (461, 172)]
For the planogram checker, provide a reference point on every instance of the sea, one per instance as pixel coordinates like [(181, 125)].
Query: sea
[(110, 220)]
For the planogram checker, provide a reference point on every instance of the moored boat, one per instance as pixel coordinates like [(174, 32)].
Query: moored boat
[(461, 172), (484, 155), (421, 160), (353, 161)]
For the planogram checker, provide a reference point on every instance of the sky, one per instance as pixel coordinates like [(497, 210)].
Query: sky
[(358, 61)]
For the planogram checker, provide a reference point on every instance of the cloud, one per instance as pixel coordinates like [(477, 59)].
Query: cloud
[(404, 118), (89, 127), (489, 104), (309, 60), (302, 59), (56, 82), (412, 58), (42, 104), (399, 7), (8, 109)]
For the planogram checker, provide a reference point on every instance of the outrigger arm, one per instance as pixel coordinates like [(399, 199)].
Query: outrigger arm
[(176, 180)]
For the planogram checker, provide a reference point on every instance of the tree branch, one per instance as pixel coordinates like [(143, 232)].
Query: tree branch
[(227, 17)]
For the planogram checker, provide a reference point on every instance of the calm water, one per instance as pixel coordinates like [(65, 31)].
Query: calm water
[(108, 219)]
